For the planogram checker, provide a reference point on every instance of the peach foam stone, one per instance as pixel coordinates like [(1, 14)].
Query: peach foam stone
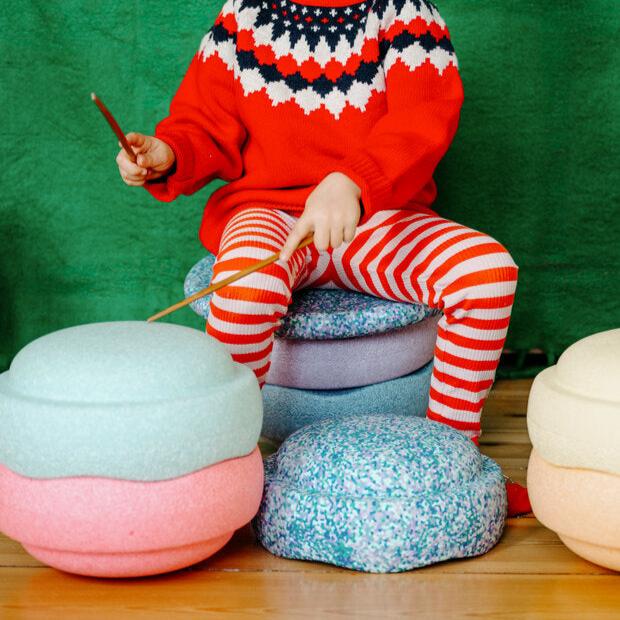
[(582, 506)]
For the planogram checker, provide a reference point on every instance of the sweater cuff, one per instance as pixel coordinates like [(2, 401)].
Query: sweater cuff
[(184, 160), (169, 186), (376, 187)]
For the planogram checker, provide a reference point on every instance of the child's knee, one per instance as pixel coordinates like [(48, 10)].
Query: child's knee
[(501, 260), (486, 270), (488, 254), (259, 297)]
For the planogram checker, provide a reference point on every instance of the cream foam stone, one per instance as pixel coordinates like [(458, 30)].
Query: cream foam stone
[(574, 407)]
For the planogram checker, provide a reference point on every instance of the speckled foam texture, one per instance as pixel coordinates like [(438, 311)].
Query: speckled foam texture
[(352, 362), (573, 413), (128, 400), (380, 494), (582, 506), (322, 314), (119, 528), (288, 409)]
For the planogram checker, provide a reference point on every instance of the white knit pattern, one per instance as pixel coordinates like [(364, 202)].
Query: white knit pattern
[(308, 99)]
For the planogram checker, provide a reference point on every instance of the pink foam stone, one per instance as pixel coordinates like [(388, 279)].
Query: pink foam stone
[(120, 528)]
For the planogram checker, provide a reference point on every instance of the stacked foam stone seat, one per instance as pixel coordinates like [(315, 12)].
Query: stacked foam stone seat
[(574, 471), (339, 352), (127, 448)]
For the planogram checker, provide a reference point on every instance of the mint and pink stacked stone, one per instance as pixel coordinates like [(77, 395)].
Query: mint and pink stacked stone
[(338, 353), (127, 448)]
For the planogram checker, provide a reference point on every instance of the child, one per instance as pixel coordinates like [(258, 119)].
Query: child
[(329, 117)]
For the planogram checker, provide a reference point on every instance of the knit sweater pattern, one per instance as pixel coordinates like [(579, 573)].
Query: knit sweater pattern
[(281, 93)]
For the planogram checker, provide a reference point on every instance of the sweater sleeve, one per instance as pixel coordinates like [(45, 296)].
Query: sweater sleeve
[(424, 98), (203, 127)]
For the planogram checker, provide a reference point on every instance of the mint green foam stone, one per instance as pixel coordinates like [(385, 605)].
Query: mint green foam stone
[(129, 400)]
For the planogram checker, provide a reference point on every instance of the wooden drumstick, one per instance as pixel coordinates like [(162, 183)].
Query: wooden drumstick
[(215, 287), (115, 127)]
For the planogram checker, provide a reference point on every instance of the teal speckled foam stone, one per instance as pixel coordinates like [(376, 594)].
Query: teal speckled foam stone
[(128, 399), (323, 314), (380, 494)]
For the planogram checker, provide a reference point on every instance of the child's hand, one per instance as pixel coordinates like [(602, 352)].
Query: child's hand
[(332, 212), (155, 158)]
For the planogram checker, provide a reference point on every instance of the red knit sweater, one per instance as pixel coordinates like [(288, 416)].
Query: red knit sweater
[(281, 93)]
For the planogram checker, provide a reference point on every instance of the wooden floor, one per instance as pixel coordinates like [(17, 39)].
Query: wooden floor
[(530, 574)]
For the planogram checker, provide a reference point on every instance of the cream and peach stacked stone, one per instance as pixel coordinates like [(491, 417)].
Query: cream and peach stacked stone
[(574, 471)]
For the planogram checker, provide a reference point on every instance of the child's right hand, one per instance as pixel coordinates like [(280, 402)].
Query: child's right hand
[(155, 158)]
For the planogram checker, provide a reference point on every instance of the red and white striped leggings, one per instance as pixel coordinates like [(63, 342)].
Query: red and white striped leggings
[(399, 255)]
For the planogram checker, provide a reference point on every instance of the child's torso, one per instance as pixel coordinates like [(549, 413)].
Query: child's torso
[(309, 84)]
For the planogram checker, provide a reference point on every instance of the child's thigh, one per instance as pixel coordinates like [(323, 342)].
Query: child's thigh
[(255, 232), (251, 236), (396, 254)]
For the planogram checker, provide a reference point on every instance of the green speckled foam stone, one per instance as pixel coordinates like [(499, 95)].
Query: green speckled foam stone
[(380, 494), (131, 400)]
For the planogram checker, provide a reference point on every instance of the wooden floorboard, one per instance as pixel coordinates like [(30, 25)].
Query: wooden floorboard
[(530, 574)]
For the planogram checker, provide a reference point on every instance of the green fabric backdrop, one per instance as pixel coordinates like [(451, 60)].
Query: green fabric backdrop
[(535, 161)]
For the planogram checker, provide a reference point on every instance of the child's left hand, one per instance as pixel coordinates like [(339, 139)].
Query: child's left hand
[(332, 212)]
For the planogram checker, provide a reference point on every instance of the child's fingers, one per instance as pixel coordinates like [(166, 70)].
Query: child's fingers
[(134, 183), (300, 231), (321, 236), (336, 235), (146, 161), (138, 140), (349, 232), (128, 168), (153, 174), (133, 148), (133, 177)]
